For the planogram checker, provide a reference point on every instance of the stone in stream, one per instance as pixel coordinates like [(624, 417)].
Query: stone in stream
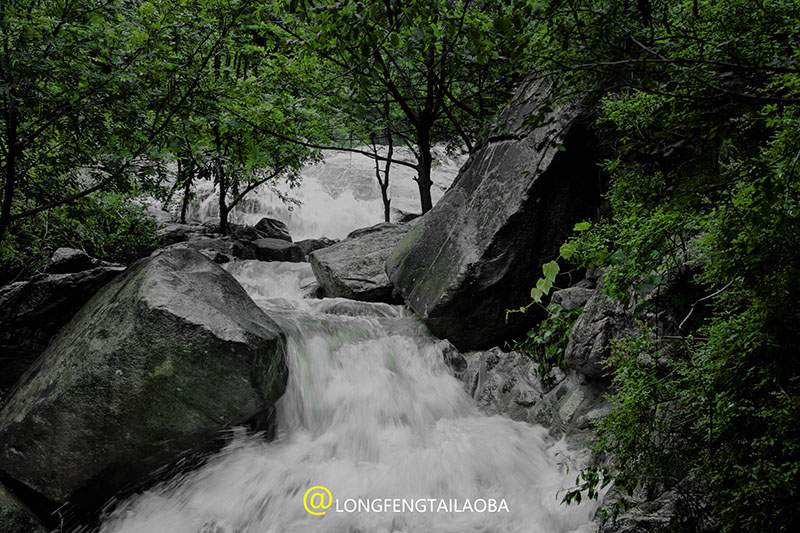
[(355, 267), (310, 245), (245, 233), (270, 249), (480, 249), (32, 311), (273, 228), (160, 361)]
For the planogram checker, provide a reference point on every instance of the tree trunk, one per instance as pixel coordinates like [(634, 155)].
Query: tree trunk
[(384, 182), (424, 168), (221, 180), (12, 121), (187, 190), (387, 202), (223, 202)]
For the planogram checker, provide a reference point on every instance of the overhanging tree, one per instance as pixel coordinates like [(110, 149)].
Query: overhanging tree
[(88, 88), (446, 66)]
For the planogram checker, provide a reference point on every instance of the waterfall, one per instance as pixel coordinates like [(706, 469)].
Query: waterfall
[(334, 196), (371, 412)]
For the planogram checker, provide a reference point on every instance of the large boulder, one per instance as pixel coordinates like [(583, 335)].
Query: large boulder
[(158, 363), (32, 311), (218, 249), (355, 267), (513, 204), (273, 228), (160, 216)]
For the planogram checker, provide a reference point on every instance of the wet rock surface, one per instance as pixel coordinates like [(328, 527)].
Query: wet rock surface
[(269, 249), (33, 311), (513, 204), (590, 341), (310, 245), (157, 363), (273, 228), (355, 267), (509, 384)]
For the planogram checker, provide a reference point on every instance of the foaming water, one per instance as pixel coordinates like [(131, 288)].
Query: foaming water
[(370, 411), (335, 196)]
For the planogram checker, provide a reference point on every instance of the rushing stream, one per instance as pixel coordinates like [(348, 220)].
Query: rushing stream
[(371, 411)]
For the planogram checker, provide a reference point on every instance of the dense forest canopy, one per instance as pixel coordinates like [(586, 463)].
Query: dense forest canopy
[(697, 105)]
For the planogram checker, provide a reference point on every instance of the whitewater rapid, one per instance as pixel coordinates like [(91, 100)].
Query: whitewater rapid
[(371, 411), (333, 197)]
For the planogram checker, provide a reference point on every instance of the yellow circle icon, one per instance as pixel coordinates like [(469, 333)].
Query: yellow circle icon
[(317, 500)]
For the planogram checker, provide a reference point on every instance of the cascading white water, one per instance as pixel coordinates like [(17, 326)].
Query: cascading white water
[(337, 195), (371, 411)]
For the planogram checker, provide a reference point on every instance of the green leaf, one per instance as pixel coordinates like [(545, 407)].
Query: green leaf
[(567, 250), (582, 226), (551, 270)]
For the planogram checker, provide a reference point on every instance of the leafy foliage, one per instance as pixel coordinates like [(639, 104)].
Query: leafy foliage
[(545, 343), (107, 226), (441, 68), (698, 103)]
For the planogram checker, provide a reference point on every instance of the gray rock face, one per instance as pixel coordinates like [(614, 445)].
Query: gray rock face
[(503, 382), (507, 383), (245, 233), (310, 245), (684, 508), (173, 232), (32, 311), (572, 406), (355, 267), (273, 228), (572, 297), (590, 341), (277, 250), (163, 358), (656, 516), (515, 201), (66, 260)]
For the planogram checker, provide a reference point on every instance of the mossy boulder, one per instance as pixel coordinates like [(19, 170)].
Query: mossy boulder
[(161, 360)]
